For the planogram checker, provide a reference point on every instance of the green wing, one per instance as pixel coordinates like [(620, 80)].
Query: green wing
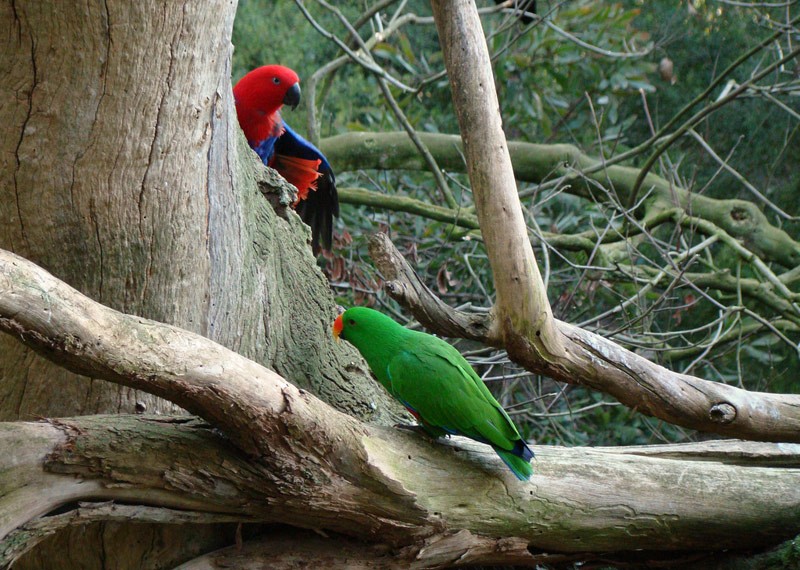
[(435, 380)]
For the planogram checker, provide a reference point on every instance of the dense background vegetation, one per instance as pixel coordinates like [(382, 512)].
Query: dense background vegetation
[(604, 77)]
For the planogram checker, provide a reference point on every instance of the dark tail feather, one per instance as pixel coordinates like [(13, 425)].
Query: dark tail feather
[(518, 459), (519, 466), (522, 450), (318, 210)]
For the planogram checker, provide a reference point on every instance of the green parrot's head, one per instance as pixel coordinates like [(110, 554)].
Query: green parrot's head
[(360, 324)]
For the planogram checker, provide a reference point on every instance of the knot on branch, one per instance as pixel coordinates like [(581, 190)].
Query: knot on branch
[(396, 291), (740, 215), (722, 413), (279, 193)]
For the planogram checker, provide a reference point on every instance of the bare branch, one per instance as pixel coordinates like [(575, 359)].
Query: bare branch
[(577, 172), (522, 310)]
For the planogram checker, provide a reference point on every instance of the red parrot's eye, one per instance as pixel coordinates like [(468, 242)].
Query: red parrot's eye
[(276, 80)]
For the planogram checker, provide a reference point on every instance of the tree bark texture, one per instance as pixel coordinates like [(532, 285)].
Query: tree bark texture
[(282, 455), (522, 309), (429, 503), (123, 172)]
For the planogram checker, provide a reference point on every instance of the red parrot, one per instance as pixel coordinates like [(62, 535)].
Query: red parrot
[(259, 96)]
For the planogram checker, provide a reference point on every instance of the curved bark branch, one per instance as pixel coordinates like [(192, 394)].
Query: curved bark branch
[(309, 465), (23, 539), (593, 361), (581, 501), (522, 309), (538, 163)]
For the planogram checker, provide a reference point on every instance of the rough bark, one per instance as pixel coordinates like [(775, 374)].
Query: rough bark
[(129, 181), (305, 464), (401, 490), (315, 466), (122, 172)]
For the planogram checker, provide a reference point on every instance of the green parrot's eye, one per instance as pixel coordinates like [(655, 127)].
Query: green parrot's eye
[(351, 322)]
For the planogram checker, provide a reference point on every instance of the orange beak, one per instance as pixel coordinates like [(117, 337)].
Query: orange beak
[(338, 325)]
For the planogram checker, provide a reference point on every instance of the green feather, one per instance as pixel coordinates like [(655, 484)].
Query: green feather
[(430, 376)]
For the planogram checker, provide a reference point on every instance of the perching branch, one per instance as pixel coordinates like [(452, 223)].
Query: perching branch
[(307, 464), (582, 501)]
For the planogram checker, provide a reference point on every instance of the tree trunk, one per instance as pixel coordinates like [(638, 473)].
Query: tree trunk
[(123, 172), (130, 182)]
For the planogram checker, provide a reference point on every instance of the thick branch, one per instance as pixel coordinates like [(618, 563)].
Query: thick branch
[(458, 503), (598, 363), (318, 467), (522, 309)]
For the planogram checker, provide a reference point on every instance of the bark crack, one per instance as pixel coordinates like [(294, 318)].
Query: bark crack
[(596, 353), (92, 209), (154, 142), (22, 131)]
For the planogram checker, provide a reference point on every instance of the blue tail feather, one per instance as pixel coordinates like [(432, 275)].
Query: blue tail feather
[(522, 450), (520, 466)]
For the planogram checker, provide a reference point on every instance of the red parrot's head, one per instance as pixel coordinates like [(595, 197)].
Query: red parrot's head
[(259, 96)]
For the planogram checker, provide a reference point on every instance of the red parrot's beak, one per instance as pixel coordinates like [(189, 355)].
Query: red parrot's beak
[(338, 325), (292, 97)]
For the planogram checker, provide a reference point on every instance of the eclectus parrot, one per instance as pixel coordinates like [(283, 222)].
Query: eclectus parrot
[(435, 383), (259, 97)]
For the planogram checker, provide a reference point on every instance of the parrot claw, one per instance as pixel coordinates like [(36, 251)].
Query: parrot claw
[(419, 430)]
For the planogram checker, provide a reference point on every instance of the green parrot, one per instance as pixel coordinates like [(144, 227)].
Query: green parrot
[(435, 383)]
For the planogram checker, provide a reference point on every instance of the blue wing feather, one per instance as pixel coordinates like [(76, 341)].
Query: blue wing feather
[(319, 208), (265, 149), (292, 144)]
